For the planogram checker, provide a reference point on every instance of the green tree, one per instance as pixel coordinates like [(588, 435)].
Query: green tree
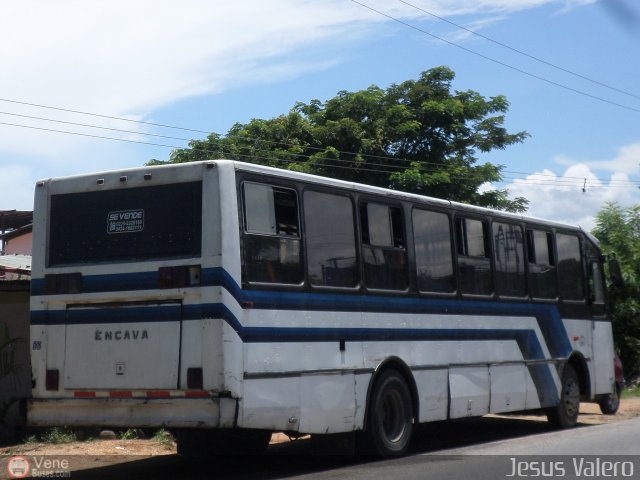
[(618, 230), (418, 136)]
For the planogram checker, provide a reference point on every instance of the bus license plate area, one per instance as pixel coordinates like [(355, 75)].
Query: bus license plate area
[(140, 352)]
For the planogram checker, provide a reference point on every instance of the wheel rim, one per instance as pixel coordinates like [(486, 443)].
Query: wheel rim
[(614, 399), (393, 416), (571, 397)]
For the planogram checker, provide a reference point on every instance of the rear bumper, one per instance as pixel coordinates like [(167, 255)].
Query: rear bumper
[(133, 412)]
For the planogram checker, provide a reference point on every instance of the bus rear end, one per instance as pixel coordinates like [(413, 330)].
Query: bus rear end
[(120, 331)]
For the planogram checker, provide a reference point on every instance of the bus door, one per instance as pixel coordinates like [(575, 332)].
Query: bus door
[(602, 344), (123, 346)]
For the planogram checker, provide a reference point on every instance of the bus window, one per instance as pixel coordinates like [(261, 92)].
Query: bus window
[(434, 262), (383, 247), (596, 284), (569, 267), (126, 225), (330, 240), (474, 265), (272, 235), (509, 259), (543, 282)]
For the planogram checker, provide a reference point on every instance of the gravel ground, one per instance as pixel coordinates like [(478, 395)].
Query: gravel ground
[(589, 414)]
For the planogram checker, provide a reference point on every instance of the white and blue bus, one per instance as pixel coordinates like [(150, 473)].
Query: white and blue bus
[(225, 301)]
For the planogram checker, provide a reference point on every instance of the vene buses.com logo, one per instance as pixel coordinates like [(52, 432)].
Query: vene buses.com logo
[(125, 221), (18, 467), (38, 467)]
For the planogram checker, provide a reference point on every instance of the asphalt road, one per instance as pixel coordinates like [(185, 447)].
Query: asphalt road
[(482, 448)]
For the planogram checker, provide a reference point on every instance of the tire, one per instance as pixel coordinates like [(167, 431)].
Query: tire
[(565, 413), (609, 404), (211, 442), (390, 416)]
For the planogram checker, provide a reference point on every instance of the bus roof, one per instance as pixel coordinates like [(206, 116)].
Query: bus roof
[(326, 181), (397, 194)]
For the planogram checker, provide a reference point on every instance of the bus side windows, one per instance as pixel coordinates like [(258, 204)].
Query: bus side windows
[(543, 281), (330, 240), (508, 244), (474, 264), (434, 259), (571, 280), (383, 247), (271, 244)]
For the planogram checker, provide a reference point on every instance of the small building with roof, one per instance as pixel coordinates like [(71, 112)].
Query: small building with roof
[(15, 276)]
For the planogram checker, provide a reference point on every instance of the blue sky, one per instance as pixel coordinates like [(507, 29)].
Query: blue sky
[(207, 65)]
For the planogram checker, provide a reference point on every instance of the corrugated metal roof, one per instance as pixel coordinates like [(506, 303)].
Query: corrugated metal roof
[(12, 219), (16, 263), (16, 233)]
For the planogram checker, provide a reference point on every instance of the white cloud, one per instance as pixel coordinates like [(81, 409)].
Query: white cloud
[(129, 59), (460, 35), (627, 161), (17, 186), (561, 197), (463, 7)]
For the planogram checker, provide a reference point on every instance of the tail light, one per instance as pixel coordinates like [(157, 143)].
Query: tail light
[(52, 380), (62, 283), (179, 277), (194, 378)]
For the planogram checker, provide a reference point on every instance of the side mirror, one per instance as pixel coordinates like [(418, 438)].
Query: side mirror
[(615, 273)]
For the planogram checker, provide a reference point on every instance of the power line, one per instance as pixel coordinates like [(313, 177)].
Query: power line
[(564, 181), (321, 162), (111, 117), (309, 147), (394, 165), (520, 52), (395, 160), (564, 176), (53, 130), (499, 62), (88, 125), (249, 138)]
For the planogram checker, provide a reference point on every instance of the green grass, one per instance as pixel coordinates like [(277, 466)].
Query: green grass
[(131, 434), (163, 437), (631, 392), (53, 435), (31, 439), (57, 435)]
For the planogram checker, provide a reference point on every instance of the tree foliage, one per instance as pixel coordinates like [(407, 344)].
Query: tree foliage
[(618, 230), (418, 136)]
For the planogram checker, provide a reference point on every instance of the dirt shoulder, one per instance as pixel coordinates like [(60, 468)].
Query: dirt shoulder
[(590, 412), (589, 415)]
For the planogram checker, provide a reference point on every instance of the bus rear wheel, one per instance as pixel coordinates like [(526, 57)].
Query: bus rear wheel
[(610, 403), (565, 413), (390, 417)]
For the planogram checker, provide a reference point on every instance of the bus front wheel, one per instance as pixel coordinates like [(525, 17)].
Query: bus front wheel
[(610, 403), (390, 417), (565, 413)]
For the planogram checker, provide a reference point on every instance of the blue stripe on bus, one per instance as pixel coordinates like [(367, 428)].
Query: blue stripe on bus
[(547, 315), (526, 338), (528, 342)]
